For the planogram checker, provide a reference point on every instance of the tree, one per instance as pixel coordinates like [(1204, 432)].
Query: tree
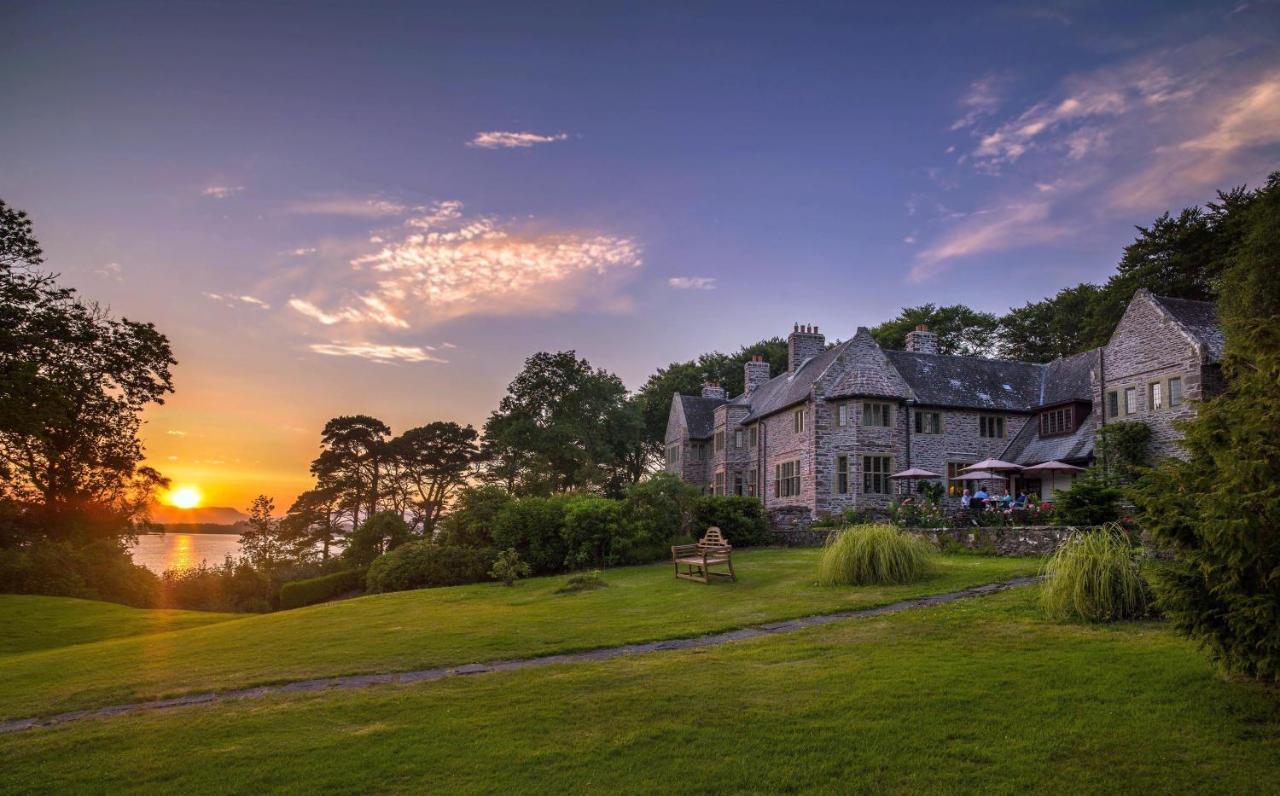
[(961, 330), (1042, 331), (73, 384), (548, 434), (263, 545), (470, 520), (315, 517), (382, 532), (432, 462), (351, 462), (1219, 509)]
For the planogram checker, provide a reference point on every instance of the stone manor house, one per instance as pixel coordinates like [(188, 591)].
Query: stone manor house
[(826, 435)]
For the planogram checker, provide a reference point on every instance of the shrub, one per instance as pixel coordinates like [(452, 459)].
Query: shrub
[(873, 554), (420, 564), (234, 586), (379, 534), (656, 511), (95, 570), (297, 593), (475, 511), (740, 519), (583, 581), (1089, 501), (1095, 577), (591, 524), (1124, 446), (508, 567), (534, 527)]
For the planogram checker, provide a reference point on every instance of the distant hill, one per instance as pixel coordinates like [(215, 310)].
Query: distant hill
[(203, 527), (202, 515)]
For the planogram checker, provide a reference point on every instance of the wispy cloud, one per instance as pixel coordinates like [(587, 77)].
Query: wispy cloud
[(990, 230), (222, 191), (112, 271), (302, 251), (692, 282), (501, 139), (354, 207), (450, 265), (232, 301), (175, 433), (983, 98), (378, 352)]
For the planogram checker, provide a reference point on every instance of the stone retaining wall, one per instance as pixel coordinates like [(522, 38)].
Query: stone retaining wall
[(1036, 540)]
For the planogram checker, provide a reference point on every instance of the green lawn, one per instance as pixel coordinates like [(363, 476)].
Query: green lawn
[(436, 627), (982, 695), (29, 623)]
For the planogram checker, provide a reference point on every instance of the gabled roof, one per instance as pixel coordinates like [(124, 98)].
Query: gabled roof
[(787, 389), (970, 382), (865, 371), (1028, 447), (699, 415), (1198, 319), (1069, 379)]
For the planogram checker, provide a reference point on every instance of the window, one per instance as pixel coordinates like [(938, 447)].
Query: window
[(673, 456), (956, 488), (1057, 421), (799, 420), (1175, 391), (1155, 396), (1131, 400), (786, 479), (875, 475), (737, 438), (751, 483), (842, 475), (699, 452), (1113, 404), (738, 484), (928, 422), (752, 435), (875, 414), (719, 489), (842, 414), (991, 426), (719, 441)]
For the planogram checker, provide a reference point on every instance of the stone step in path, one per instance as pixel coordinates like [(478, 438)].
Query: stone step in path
[(442, 672)]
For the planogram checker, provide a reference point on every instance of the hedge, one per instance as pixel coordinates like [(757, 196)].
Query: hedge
[(297, 593), (421, 564), (740, 519)]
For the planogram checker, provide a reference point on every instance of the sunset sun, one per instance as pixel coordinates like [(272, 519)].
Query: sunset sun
[(185, 497)]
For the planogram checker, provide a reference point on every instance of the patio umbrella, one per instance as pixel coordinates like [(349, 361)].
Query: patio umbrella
[(979, 475), (913, 474), (992, 466), (1053, 467)]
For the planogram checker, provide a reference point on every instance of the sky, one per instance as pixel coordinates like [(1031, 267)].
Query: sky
[(384, 208)]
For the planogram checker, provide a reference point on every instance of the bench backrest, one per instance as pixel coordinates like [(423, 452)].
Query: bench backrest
[(713, 538)]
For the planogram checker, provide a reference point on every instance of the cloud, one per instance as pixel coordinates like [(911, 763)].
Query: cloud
[(449, 265), (303, 251), (175, 433), (222, 191), (496, 139), (112, 271), (990, 230), (232, 301), (983, 98), (692, 282), (353, 207), (378, 352)]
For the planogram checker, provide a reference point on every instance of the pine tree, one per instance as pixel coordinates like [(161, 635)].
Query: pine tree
[(1220, 509)]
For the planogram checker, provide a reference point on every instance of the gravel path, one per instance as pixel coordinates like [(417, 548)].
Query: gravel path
[(440, 673)]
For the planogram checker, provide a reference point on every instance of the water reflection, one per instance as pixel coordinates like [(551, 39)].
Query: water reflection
[(158, 552)]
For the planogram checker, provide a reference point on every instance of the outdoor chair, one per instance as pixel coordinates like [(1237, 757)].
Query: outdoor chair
[(698, 559)]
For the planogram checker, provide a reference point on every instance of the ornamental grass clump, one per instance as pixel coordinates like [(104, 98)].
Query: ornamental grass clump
[(862, 555), (1095, 577)]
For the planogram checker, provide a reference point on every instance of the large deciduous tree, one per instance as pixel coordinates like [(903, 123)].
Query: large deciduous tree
[(73, 383), (1220, 508), (351, 462), (431, 462), (961, 330)]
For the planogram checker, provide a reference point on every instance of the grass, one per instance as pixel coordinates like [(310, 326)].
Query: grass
[(872, 554), (1096, 577), (435, 627), (29, 623), (977, 696)]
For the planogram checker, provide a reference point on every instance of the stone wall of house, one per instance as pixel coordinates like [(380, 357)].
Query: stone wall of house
[(960, 442), (732, 459), (1148, 347), (780, 442)]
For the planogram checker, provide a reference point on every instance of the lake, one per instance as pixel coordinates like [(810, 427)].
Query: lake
[(158, 552)]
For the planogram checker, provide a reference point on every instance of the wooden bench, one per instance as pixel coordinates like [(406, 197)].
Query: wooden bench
[(698, 559)]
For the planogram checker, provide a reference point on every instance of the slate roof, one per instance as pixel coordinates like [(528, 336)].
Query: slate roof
[(787, 389), (1069, 379), (1199, 319), (1028, 447), (970, 382), (699, 415)]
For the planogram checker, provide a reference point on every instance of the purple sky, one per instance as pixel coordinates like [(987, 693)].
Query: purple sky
[(384, 208)]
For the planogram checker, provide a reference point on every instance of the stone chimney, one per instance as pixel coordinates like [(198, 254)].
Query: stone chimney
[(754, 373), (803, 342), (712, 389), (922, 341)]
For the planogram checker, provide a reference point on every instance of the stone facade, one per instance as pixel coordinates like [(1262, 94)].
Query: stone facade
[(824, 436)]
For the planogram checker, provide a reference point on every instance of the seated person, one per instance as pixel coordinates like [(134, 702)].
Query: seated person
[(1021, 502), (1005, 500), (980, 499)]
